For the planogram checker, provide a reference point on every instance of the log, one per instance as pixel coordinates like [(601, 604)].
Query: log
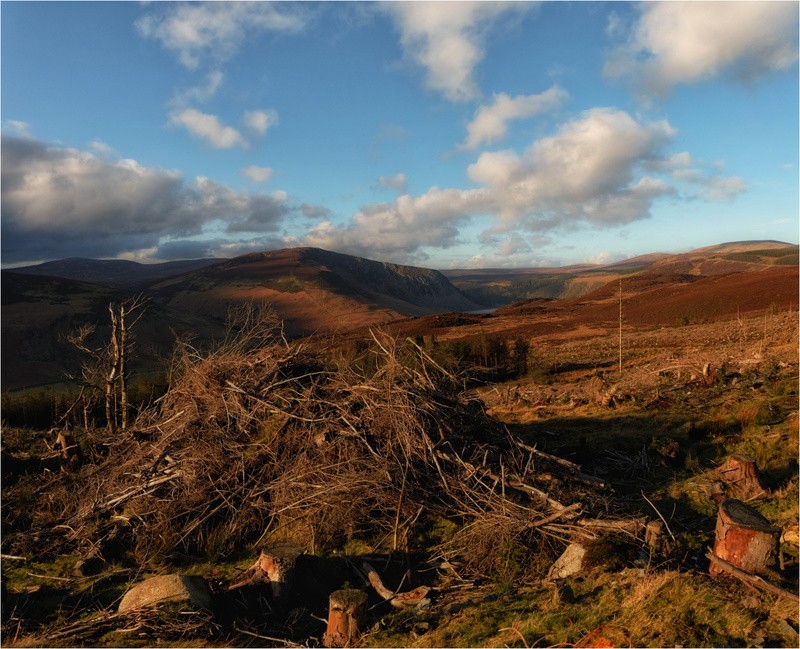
[(740, 474), (744, 538), (346, 611)]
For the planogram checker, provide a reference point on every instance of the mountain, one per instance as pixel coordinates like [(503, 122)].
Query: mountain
[(112, 272), (314, 290)]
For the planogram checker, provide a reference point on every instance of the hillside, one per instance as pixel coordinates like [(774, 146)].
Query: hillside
[(500, 287), (39, 312), (314, 290), (650, 299)]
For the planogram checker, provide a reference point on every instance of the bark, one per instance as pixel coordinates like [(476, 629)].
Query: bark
[(744, 538), (346, 612)]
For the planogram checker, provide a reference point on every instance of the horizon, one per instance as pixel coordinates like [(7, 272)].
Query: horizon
[(506, 268), (440, 135)]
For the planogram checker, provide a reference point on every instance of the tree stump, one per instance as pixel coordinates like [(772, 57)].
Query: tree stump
[(740, 474), (275, 567), (346, 613), (744, 538)]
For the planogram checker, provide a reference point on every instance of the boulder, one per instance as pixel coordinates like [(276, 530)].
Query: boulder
[(168, 588)]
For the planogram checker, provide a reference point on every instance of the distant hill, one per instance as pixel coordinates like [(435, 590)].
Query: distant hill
[(112, 272), (500, 286), (314, 290)]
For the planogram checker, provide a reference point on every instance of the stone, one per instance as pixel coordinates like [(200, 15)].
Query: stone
[(569, 563), (168, 588)]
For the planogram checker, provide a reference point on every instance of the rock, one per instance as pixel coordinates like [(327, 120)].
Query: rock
[(569, 563), (168, 588)]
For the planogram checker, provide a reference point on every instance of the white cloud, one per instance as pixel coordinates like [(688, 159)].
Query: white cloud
[(689, 42), (257, 174), (201, 93), (216, 30), (208, 127), (447, 39), (592, 171), (259, 121), (59, 202), (491, 121), (397, 182)]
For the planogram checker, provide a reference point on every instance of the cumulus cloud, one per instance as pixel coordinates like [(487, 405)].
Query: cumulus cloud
[(259, 121), (602, 169), (697, 179), (59, 202), (215, 31), (256, 174), (447, 39), (491, 121), (689, 42), (398, 182), (208, 127)]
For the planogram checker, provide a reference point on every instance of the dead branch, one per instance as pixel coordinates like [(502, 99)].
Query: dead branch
[(750, 579)]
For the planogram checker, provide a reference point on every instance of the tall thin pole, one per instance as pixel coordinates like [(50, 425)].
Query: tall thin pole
[(620, 327)]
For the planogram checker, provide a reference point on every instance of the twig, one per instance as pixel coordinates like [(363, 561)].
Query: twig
[(286, 643), (12, 557), (659, 515), (33, 574)]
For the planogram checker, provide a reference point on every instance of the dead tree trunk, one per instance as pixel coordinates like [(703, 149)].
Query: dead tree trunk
[(113, 371), (744, 538), (740, 474), (346, 613), (123, 369)]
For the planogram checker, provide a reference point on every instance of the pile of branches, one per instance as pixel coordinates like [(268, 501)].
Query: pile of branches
[(256, 443)]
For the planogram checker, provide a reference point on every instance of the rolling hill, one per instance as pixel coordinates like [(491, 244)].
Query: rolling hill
[(112, 272), (500, 287)]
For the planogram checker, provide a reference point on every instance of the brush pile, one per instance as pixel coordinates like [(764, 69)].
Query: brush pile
[(256, 443)]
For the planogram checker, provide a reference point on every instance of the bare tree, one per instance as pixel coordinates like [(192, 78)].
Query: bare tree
[(107, 369)]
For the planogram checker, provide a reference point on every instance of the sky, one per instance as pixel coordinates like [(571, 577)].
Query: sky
[(439, 134)]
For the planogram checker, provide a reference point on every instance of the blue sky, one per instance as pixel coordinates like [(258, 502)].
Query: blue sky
[(439, 134)]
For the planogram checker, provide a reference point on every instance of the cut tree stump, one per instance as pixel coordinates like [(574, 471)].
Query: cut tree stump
[(740, 474), (744, 538), (274, 566), (346, 612)]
